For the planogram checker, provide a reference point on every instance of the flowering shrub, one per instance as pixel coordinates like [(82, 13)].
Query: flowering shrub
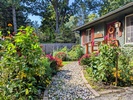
[(56, 63), (23, 70), (84, 60), (50, 57), (59, 62), (61, 55), (103, 66)]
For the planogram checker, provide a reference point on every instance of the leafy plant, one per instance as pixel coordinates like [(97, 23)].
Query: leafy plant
[(76, 52), (55, 64), (85, 59), (61, 55), (24, 71), (103, 66)]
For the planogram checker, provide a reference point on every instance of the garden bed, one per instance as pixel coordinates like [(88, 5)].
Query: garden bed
[(102, 88)]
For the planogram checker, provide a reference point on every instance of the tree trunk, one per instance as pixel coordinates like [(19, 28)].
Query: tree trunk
[(14, 19), (57, 20)]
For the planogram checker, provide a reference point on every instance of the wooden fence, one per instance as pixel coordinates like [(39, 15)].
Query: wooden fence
[(49, 48)]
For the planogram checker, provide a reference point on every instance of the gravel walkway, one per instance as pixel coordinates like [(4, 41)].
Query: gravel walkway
[(68, 85)]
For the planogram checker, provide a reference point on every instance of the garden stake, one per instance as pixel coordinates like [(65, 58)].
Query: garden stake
[(116, 79)]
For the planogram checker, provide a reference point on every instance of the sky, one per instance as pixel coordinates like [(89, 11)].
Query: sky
[(35, 18), (38, 19)]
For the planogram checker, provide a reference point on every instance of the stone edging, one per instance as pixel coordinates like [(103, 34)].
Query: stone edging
[(96, 94)]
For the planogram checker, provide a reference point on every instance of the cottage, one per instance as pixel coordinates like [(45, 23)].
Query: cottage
[(116, 25)]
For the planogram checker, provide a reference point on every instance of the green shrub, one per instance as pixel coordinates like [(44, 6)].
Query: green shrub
[(23, 70), (61, 55), (103, 65), (85, 60), (75, 53), (65, 50)]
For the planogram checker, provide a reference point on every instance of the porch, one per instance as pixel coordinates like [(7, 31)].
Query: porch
[(93, 46)]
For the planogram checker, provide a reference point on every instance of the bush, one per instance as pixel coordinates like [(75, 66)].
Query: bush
[(61, 55), (24, 71), (84, 60), (103, 65), (65, 50), (75, 53), (56, 63)]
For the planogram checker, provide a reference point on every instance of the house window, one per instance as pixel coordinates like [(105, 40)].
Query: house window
[(87, 36), (129, 29)]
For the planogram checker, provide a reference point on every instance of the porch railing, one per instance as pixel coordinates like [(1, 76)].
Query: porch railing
[(92, 46)]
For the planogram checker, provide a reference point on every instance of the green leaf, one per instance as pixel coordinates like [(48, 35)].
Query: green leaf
[(26, 91)]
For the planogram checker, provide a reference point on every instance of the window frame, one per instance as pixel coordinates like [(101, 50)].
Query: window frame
[(126, 30), (87, 35)]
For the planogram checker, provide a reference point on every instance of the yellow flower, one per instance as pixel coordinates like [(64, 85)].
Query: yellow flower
[(10, 25), (114, 69), (131, 78), (115, 74), (21, 75)]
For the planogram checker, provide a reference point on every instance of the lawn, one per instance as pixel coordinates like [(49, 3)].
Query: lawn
[(66, 62)]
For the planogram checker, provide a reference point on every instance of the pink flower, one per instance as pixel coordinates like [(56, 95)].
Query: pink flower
[(92, 43), (106, 37), (84, 56), (50, 57)]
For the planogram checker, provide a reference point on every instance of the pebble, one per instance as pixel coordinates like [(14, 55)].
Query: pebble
[(68, 85)]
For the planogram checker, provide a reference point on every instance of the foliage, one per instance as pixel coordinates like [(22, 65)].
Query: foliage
[(65, 50), (61, 55), (7, 18), (82, 9), (85, 59), (24, 71), (103, 65), (108, 6), (75, 53), (56, 63)]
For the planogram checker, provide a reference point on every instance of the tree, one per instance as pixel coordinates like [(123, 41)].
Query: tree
[(13, 4), (62, 12), (10, 16), (82, 8), (110, 5)]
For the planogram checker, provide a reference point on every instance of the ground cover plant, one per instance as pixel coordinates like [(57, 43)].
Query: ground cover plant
[(25, 71)]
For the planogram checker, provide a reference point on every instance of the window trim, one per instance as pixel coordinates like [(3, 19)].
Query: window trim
[(125, 28)]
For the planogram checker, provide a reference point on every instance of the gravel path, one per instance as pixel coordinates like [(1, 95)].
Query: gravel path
[(68, 85)]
